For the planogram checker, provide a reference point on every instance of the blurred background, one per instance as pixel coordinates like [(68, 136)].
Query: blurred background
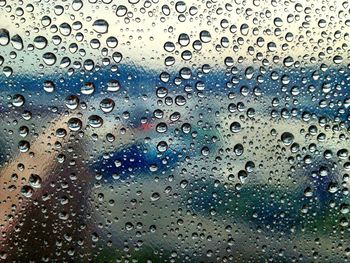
[(182, 131)]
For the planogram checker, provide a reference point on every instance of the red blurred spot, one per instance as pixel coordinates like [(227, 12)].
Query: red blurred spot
[(146, 126)]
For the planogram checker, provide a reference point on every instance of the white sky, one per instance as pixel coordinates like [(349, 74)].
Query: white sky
[(142, 36)]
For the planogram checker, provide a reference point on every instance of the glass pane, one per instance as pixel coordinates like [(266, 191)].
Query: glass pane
[(174, 131)]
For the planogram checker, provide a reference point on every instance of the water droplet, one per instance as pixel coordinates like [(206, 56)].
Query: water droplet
[(287, 138), (74, 124), (155, 196), (162, 146), (180, 6), (17, 42), (18, 100), (205, 36), (121, 11), (23, 146), (162, 127), (23, 131), (113, 85), (40, 42), (112, 42), (100, 26), (238, 149), (95, 121), (49, 86), (88, 88), (49, 58), (235, 127), (27, 191), (4, 37), (184, 39), (35, 181), (107, 105), (72, 102)]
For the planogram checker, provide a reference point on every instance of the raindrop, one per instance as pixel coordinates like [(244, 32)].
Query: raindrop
[(17, 42), (49, 58), (40, 42), (235, 127), (4, 37), (18, 100), (74, 124), (107, 105), (113, 85), (72, 102), (35, 181), (23, 146), (287, 138), (49, 86), (27, 191), (95, 121), (100, 26), (88, 88), (205, 36)]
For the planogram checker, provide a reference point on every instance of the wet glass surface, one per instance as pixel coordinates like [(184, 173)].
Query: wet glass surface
[(174, 131)]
